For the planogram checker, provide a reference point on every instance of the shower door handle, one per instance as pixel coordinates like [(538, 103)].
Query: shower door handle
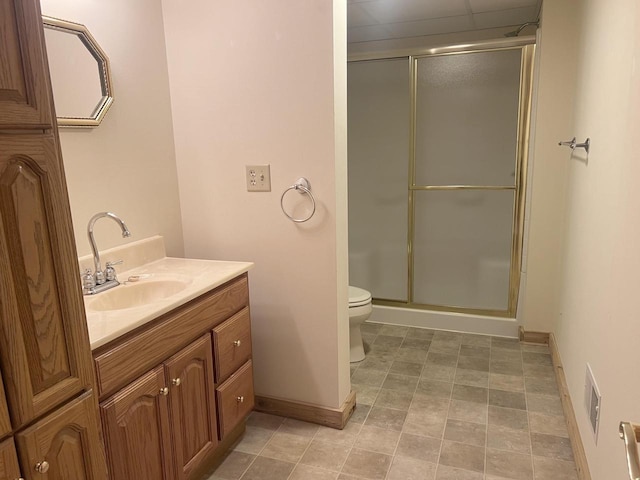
[(630, 433)]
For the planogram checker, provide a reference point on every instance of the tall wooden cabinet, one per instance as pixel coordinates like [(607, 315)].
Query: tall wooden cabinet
[(45, 358)]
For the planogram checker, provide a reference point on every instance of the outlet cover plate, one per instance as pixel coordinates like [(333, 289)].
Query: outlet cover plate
[(258, 178)]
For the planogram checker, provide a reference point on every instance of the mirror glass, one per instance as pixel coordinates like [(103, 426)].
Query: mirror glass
[(80, 74)]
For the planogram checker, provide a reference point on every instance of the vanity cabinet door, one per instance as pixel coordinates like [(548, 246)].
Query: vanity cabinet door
[(45, 350), (5, 423), (68, 440), (137, 432), (24, 78), (192, 405), (9, 468)]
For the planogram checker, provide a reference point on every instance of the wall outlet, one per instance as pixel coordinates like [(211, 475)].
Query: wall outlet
[(592, 401), (258, 178)]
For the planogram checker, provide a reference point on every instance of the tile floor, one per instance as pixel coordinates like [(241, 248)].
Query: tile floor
[(430, 405)]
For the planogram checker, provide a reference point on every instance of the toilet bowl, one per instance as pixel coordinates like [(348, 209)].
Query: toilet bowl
[(359, 310)]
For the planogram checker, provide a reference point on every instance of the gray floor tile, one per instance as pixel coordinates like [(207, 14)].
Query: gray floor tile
[(386, 418), (234, 465), (466, 432), (325, 455), (503, 438), (558, 448), (378, 440), (468, 411), (269, 468), (509, 465), (402, 383), (502, 398), (471, 377), (406, 368), (459, 455), (369, 465), (420, 447), (286, 447), (394, 399), (406, 468), (431, 405)]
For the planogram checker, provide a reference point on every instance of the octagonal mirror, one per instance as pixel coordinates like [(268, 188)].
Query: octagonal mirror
[(80, 74)]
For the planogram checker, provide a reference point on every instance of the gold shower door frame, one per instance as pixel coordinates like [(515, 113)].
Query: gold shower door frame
[(527, 46)]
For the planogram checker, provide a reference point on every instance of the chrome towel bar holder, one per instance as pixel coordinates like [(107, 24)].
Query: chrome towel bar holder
[(303, 187), (573, 145)]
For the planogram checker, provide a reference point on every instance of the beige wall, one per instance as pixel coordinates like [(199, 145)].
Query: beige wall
[(552, 122), (263, 83), (599, 321), (127, 164)]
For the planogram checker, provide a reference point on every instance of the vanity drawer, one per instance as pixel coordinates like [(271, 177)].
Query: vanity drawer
[(232, 344), (235, 399), (124, 360)]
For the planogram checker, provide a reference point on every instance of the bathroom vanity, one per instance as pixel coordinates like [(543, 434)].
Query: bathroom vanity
[(173, 371)]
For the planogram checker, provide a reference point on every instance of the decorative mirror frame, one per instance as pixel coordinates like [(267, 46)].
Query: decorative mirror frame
[(103, 66)]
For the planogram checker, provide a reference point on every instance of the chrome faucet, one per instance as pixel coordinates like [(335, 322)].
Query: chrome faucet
[(101, 280)]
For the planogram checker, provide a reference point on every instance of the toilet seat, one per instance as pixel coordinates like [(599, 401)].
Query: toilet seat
[(358, 297)]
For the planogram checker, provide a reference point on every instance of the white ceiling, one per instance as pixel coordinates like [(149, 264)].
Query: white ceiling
[(369, 20)]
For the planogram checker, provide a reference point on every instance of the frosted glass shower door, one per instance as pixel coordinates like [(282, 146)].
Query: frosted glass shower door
[(464, 185), (379, 126)]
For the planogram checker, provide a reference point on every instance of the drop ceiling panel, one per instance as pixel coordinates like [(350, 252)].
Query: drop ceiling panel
[(386, 19), (367, 34), (478, 6), (498, 18), (460, 23), (358, 16), (393, 11)]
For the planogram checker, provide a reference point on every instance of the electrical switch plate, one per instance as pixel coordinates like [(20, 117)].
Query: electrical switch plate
[(258, 178)]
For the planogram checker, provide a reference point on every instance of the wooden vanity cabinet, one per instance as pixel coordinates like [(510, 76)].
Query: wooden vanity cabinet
[(9, 467), (5, 423), (192, 405), (165, 423), (137, 430)]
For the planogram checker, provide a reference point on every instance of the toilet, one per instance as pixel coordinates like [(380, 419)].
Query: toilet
[(359, 310)]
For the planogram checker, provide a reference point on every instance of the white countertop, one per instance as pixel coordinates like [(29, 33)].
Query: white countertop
[(202, 275)]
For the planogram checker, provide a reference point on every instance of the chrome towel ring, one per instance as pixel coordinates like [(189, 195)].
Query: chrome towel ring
[(302, 186)]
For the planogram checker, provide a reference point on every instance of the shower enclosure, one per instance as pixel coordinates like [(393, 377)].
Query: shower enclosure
[(438, 143)]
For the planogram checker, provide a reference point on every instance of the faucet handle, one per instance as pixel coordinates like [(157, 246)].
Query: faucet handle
[(88, 281), (110, 272)]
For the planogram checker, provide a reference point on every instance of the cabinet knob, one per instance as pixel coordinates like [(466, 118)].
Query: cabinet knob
[(176, 381), (164, 391), (240, 399), (237, 343), (42, 467)]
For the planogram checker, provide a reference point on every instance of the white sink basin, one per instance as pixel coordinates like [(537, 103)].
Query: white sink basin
[(131, 295)]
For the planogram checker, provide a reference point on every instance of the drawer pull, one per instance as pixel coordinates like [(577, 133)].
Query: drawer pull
[(237, 343), (176, 381), (42, 467), (240, 399), (164, 391)]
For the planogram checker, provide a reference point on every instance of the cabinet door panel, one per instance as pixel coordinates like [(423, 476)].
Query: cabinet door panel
[(192, 405), (232, 342), (9, 468), (69, 440), (136, 427), (5, 424), (24, 81), (42, 322), (235, 398)]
